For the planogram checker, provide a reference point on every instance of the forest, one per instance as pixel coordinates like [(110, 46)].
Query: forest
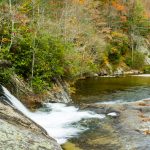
[(74, 74), (41, 40)]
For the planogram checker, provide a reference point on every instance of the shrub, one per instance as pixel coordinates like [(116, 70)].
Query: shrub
[(113, 54), (138, 60), (146, 69)]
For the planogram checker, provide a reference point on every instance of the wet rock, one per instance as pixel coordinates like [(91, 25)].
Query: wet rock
[(113, 114), (59, 93), (132, 122), (133, 72), (103, 72), (95, 75), (118, 72)]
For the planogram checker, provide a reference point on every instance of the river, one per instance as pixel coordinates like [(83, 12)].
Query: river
[(77, 129), (112, 89), (102, 135)]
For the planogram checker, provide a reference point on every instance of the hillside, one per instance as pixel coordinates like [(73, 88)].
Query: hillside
[(44, 40)]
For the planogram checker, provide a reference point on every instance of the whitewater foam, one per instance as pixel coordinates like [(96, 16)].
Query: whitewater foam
[(58, 122), (111, 102), (142, 75)]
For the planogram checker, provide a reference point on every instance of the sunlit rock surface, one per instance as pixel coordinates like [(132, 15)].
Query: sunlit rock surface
[(17, 132)]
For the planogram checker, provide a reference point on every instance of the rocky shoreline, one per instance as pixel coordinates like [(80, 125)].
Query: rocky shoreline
[(132, 122)]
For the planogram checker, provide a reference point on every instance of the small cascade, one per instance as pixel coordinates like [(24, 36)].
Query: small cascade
[(58, 118), (15, 102)]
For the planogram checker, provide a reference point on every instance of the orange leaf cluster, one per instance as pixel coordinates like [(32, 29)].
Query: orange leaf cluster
[(147, 15), (147, 132), (118, 7), (146, 119), (79, 1), (143, 104)]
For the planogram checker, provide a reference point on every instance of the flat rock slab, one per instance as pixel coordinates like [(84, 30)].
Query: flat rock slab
[(17, 132), (132, 123)]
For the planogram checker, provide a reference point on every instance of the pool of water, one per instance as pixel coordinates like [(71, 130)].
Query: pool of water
[(111, 89), (102, 135)]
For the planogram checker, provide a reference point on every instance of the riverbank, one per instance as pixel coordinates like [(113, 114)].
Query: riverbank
[(132, 122), (59, 92)]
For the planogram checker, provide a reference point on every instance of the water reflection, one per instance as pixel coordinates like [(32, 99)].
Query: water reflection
[(121, 89), (102, 135)]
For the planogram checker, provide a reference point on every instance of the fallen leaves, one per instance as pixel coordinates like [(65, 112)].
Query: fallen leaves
[(144, 118), (143, 104), (147, 132)]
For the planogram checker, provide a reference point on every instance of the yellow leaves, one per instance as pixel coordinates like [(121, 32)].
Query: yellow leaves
[(73, 20), (105, 59), (114, 49), (80, 1), (5, 40), (117, 34), (72, 90), (24, 8)]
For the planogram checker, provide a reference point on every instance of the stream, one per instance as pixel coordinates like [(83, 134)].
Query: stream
[(77, 129), (112, 89), (107, 90)]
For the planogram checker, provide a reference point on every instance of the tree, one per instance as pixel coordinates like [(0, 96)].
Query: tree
[(137, 23)]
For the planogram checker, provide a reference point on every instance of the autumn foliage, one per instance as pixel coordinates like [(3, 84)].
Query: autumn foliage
[(118, 6), (45, 39)]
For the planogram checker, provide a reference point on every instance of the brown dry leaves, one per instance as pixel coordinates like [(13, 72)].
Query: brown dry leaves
[(147, 132)]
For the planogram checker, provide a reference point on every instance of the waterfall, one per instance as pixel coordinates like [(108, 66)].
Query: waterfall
[(16, 102), (57, 120)]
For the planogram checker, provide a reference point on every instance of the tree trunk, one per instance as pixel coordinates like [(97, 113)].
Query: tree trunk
[(12, 24)]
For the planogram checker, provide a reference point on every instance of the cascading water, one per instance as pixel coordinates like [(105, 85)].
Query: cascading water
[(15, 102), (58, 121)]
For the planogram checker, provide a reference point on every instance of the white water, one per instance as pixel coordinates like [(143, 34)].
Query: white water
[(113, 114), (58, 121), (142, 75), (110, 102)]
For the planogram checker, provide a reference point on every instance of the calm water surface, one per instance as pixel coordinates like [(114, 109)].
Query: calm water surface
[(101, 134), (108, 89)]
